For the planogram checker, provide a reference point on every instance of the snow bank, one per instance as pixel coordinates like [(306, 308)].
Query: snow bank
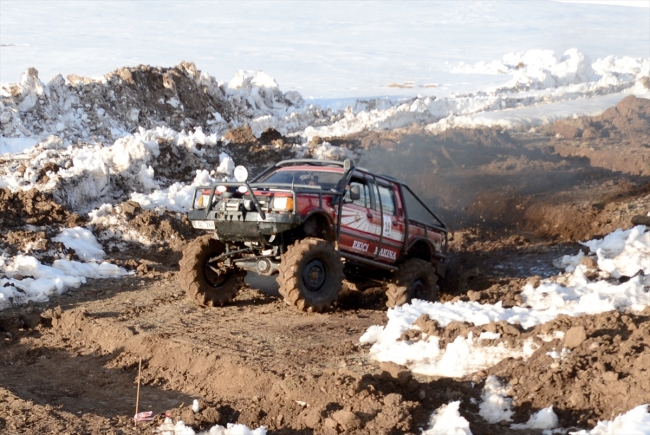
[(634, 422), (179, 428), (446, 420), (571, 294), (29, 279)]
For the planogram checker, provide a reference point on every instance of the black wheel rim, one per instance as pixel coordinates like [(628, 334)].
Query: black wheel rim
[(314, 275), (214, 276)]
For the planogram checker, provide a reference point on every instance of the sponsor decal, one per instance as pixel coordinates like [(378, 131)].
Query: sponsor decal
[(387, 253), (360, 246)]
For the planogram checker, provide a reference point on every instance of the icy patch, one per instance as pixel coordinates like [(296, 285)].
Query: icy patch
[(170, 428), (446, 420), (496, 406), (542, 419), (575, 295), (634, 422)]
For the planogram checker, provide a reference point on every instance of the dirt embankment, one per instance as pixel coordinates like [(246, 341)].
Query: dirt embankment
[(618, 140)]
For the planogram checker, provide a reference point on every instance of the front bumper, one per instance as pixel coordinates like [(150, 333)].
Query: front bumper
[(242, 226)]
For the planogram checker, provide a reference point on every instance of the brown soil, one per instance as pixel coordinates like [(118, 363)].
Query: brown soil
[(515, 201), (34, 208)]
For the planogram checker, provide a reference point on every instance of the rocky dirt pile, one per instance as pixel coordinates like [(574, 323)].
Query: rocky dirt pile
[(625, 128), (33, 207), (603, 369), (180, 97)]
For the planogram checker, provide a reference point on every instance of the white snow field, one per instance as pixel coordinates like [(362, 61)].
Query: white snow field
[(320, 49)]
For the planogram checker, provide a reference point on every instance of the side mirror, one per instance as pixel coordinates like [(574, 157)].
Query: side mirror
[(355, 192)]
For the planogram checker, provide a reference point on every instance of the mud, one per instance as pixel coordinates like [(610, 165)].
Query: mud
[(33, 207), (515, 200), (625, 126)]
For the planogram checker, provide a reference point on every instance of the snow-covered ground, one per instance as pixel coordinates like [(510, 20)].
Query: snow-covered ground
[(320, 49), (619, 254)]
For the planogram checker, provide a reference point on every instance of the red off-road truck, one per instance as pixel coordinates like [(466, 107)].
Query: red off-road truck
[(315, 223)]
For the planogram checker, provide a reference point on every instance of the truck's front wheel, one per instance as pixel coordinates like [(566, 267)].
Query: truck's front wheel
[(415, 279), (311, 275), (208, 283)]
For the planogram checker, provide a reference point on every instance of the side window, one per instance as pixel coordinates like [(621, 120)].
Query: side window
[(387, 196), (364, 200)]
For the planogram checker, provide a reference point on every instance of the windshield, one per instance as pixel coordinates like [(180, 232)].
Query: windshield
[(322, 179)]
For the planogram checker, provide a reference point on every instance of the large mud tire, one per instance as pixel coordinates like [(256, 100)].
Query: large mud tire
[(200, 283), (415, 279), (310, 275)]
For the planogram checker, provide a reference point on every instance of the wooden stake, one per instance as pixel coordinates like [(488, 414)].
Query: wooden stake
[(137, 395)]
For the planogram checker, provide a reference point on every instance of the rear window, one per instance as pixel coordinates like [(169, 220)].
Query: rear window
[(322, 179)]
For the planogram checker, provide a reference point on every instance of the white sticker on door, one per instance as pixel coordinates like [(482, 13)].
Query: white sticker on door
[(388, 225)]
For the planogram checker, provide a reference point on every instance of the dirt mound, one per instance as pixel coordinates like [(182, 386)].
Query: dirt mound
[(38, 244), (258, 154), (618, 139), (34, 208), (583, 220), (629, 121), (604, 373), (148, 241), (180, 97)]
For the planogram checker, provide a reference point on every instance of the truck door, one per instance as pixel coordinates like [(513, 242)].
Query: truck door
[(360, 225), (389, 213)]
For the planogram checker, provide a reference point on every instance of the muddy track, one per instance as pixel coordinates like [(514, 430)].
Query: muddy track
[(516, 202)]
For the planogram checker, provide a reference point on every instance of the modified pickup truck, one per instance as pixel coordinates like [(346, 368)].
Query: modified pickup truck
[(315, 223)]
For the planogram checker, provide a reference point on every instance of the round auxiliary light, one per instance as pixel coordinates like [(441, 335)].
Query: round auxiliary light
[(241, 174), (221, 189), (242, 189)]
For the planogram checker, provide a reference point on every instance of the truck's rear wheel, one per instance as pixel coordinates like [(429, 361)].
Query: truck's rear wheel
[(415, 279), (311, 275), (208, 283)]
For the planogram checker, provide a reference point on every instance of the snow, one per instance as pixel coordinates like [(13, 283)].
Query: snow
[(571, 293), (12, 145), (322, 50), (542, 419), (446, 420), (170, 428), (634, 422), (83, 242), (495, 405), (29, 279)]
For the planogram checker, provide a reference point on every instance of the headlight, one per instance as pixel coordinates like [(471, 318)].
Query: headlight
[(241, 174), (282, 203), (242, 189), (221, 189)]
